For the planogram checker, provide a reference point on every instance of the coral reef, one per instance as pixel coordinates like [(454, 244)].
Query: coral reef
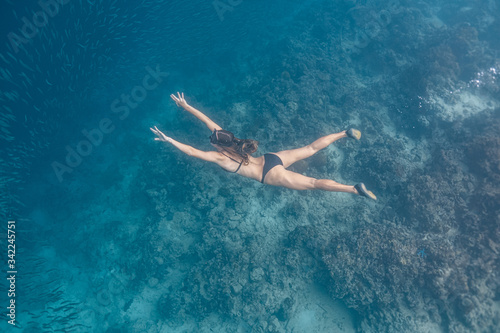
[(423, 261)]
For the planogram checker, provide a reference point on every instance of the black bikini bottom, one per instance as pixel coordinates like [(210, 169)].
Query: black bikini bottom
[(270, 161)]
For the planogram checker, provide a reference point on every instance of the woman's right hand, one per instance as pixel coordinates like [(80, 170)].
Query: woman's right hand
[(179, 100)]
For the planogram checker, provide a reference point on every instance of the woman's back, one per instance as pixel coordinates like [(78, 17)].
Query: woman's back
[(251, 170)]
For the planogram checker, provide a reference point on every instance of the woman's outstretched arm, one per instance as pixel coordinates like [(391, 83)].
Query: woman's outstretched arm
[(180, 101), (210, 156)]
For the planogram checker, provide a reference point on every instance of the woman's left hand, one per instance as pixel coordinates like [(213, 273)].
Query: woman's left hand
[(161, 135)]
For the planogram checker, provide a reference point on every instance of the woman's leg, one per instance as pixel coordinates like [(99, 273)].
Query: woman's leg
[(288, 157), (296, 181), (333, 186)]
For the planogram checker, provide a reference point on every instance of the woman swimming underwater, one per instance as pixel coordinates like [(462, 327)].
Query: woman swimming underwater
[(234, 155)]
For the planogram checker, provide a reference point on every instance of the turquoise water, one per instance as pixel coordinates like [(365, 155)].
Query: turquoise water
[(116, 232)]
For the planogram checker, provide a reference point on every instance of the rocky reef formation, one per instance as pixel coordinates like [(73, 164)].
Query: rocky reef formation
[(425, 258)]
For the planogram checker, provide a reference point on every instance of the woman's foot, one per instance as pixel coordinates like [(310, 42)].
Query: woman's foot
[(361, 190), (353, 133)]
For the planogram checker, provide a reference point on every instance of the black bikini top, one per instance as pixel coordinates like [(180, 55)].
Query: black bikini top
[(239, 166)]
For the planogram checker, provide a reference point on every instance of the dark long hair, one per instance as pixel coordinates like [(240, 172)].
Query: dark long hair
[(245, 148), (241, 147)]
